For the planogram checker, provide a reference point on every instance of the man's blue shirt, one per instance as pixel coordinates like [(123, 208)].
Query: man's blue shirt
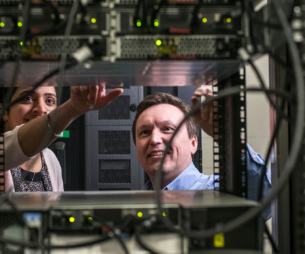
[(192, 179)]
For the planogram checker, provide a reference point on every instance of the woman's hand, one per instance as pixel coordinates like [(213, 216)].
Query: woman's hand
[(204, 116), (86, 98)]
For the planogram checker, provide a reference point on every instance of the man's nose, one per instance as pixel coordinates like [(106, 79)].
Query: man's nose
[(156, 137), (40, 107)]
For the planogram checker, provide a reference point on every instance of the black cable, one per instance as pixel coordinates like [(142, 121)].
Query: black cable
[(194, 21), (297, 139), (138, 233), (80, 245), (271, 240), (251, 14), (5, 199), (156, 11), (66, 43), (228, 251), (116, 231), (278, 60), (36, 85), (57, 24), (275, 132), (7, 240), (263, 85), (55, 11), (121, 242), (62, 62), (137, 13), (256, 210), (22, 37), (221, 95)]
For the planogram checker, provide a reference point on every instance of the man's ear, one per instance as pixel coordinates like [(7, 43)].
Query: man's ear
[(194, 144)]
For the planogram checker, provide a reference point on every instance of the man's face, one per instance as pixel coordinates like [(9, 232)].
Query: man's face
[(154, 128)]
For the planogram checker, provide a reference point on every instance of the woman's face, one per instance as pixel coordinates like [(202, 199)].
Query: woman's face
[(37, 104)]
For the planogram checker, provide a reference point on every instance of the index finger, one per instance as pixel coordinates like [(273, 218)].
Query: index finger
[(93, 93), (204, 91)]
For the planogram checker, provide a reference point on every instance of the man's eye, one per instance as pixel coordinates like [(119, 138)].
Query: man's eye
[(168, 129), (145, 132)]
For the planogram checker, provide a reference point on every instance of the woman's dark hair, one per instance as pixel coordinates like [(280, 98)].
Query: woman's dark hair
[(4, 92)]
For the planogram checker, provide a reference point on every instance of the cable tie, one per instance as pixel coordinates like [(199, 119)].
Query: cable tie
[(82, 54), (243, 54)]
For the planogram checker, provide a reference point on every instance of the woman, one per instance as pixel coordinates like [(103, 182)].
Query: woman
[(33, 124)]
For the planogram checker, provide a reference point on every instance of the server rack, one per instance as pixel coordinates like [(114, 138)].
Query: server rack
[(230, 138), (111, 160)]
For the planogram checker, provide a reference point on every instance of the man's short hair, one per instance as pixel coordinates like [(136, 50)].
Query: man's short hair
[(165, 98)]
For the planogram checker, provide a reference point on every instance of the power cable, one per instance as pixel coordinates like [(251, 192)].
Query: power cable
[(5, 199), (71, 63), (7, 240), (66, 43), (194, 21), (263, 85), (271, 240), (252, 212), (221, 95), (139, 231), (116, 231), (22, 37), (156, 11), (290, 163)]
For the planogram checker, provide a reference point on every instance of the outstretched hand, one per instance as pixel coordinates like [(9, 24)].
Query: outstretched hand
[(86, 98), (204, 116)]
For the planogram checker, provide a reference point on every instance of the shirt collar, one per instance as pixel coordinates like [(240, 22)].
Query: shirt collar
[(183, 182)]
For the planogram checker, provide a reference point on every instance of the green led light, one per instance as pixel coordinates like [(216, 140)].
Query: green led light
[(21, 43), (71, 219), (89, 218), (19, 24), (65, 134), (204, 20), (93, 20), (140, 214), (156, 22), (139, 23), (158, 42), (164, 214), (229, 20), (2, 24)]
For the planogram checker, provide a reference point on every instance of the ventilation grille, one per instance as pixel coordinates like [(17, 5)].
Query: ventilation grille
[(114, 171), (138, 48), (54, 46), (118, 109), (8, 49), (7, 220), (196, 46), (128, 2), (114, 142), (10, 2)]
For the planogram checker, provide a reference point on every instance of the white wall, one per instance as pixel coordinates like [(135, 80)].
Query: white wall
[(258, 124)]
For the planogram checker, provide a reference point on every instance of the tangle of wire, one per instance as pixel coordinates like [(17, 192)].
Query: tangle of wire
[(22, 37), (289, 165)]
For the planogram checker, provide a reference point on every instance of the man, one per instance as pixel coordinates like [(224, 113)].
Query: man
[(157, 118)]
